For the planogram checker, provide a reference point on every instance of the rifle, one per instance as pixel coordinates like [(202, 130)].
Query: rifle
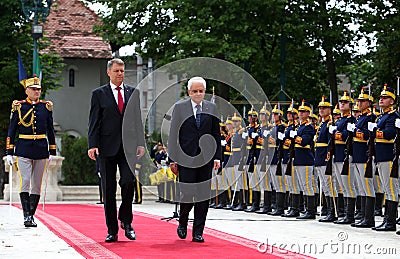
[(371, 154), (348, 151), (280, 158), (291, 155), (394, 173), (331, 150)]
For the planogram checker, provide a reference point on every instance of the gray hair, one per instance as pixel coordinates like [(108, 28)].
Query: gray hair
[(196, 79), (113, 61)]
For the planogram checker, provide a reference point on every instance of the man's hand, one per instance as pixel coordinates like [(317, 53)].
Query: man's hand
[(93, 152), (50, 158), (10, 160), (217, 164), (139, 152)]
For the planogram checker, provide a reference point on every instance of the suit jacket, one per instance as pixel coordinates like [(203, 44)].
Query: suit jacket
[(185, 134), (105, 120)]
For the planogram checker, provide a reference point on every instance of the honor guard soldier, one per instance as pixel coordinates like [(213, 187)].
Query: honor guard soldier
[(385, 132), (321, 149), (275, 157), (379, 192), (304, 158), (224, 196), (234, 164), (346, 182), (252, 196), (356, 111), (288, 147), (365, 182), (262, 167), (32, 122), (336, 113)]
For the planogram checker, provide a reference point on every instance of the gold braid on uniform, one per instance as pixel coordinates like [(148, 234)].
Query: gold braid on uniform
[(22, 120)]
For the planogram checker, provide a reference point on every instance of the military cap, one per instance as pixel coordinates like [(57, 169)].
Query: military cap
[(252, 112), (236, 118), (277, 109), (293, 108), (336, 110), (324, 103), (345, 97), (389, 92), (365, 95), (305, 106), (33, 82)]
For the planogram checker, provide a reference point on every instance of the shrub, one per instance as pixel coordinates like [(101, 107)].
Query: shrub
[(77, 168)]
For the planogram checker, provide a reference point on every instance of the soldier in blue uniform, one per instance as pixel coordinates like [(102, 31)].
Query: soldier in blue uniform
[(365, 185), (385, 132), (261, 167), (321, 149), (304, 159), (32, 122), (292, 185), (253, 194), (275, 153), (346, 183)]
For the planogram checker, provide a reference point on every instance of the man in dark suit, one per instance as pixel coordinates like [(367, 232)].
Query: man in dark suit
[(193, 119), (107, 110)]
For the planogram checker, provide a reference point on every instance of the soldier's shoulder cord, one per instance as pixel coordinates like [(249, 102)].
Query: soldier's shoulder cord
[(49, 104), (16, 105)]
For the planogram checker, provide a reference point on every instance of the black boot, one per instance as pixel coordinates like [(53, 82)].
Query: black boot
[(280, 200), (369, 220), (240, 205), (360, 215), (340, 205), (325, 206), (389, 223), (330, 217), (267, 203), (294, 209), (34, 201), (255, 202), (273, 199), (222, 197), (349, 218), (212, 202), (24, 196), (379, 204), (310, 211)]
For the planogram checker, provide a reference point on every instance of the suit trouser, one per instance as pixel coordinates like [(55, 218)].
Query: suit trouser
[(390, 185), (304, 175), (264, 178), (278, 181), (347, 183), (292, 181), (31, 174), (108, 171), (365, 185), (195, 188)]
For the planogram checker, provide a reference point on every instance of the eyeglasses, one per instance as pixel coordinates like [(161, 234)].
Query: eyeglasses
[(197, 91)]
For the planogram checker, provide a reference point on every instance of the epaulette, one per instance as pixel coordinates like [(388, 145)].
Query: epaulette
[(49, 104), (392, 111), (16, 104), (241, 130)]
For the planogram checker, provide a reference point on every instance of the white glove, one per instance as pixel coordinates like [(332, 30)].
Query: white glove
[(244, 135), (266, 133), (371, 126), (50, 158), (397, 123), (223, 142), (10, 160), (254, 135), (351, 126), (281, 135), (293, 133), (332, 129), (99, 174)]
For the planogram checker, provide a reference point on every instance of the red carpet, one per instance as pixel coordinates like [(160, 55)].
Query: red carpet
[(83, 227)]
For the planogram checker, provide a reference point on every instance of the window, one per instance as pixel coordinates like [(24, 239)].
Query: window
[(71, 77)]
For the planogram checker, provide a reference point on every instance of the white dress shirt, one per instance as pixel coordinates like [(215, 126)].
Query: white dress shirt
[(115, 91)]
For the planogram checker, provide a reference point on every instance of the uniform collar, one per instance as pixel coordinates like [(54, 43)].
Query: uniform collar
[(31, 102), (389, 109)]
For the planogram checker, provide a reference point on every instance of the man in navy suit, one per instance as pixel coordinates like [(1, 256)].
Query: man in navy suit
[(105, 143), (193, 119)]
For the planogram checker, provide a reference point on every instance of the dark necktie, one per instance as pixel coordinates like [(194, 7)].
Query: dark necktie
[(198, 112), (120, 100)]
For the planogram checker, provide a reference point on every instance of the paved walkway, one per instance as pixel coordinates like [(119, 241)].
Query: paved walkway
[(320, 240)]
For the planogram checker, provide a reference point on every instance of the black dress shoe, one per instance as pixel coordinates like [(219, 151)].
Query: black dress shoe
[(129, 232), (198, 239), (307, 215), (182, 231), (111, 238)]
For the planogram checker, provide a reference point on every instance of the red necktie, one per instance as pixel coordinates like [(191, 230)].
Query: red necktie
[(120, 100)]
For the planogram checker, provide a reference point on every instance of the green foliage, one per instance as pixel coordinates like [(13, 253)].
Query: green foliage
[(77, 168)]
